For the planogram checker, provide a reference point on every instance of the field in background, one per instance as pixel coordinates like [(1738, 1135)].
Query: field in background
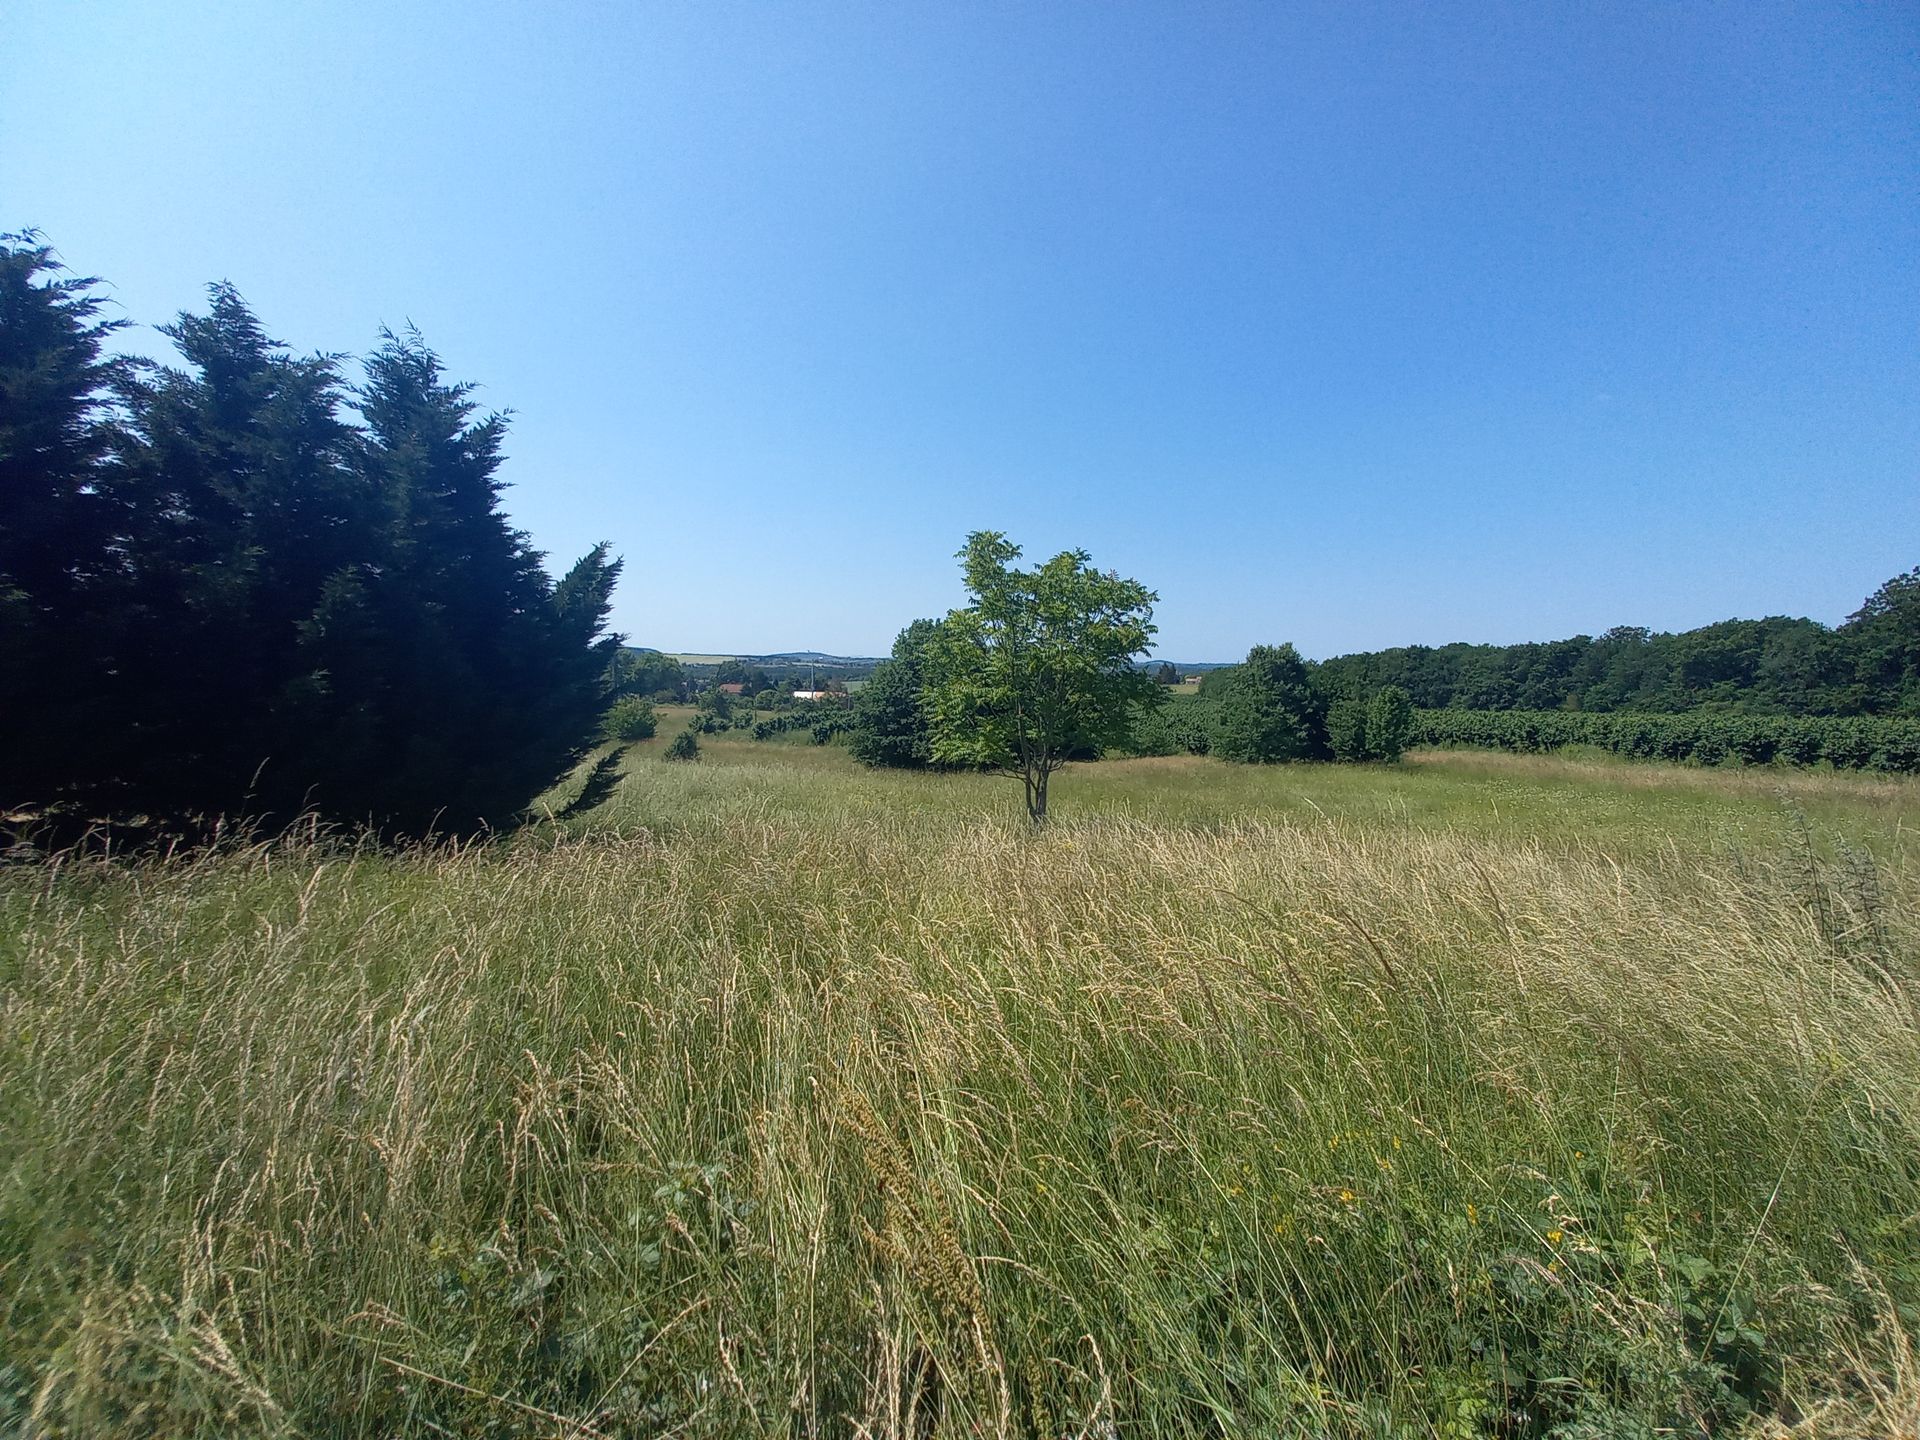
[(1483, 1095)]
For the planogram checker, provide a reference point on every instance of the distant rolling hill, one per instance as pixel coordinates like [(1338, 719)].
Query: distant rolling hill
[(855, 665), (786, 662), (786, 659)]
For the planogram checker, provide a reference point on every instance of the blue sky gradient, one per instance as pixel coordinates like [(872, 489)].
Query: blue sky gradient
[(1351, 325)]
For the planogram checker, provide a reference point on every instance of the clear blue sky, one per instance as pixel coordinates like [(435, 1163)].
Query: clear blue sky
[(1344, 324)]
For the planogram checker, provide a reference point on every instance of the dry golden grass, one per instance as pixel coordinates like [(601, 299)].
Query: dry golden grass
[(1895, 795), (779, 1099)]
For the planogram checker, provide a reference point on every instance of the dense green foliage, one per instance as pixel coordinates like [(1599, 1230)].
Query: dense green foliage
[(646, 673), (751, 678), (1269, 711), (236, 588), (1885, 743), (630, 718), (1039, 669), (1347, 728), (1777, 666), (821, 721), (685, 746), (1171, 725), (1883, 640), (891, 725), (56, 525), (1389, 724)]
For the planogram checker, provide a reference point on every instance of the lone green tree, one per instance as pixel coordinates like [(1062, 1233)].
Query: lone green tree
[(1269, 711), (1039, 668)]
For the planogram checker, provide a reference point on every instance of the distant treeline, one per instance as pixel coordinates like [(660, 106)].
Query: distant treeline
[(1778, 666), (1751, 691), (257, 585)]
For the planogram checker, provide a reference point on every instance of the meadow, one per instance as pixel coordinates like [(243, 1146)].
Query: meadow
[(1483, 1095)]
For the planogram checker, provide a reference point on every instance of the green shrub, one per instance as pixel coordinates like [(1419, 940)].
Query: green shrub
[(1389, 724), (630, 719), (1347, 728), (1886, 743), (685, 746), (1172, 725)]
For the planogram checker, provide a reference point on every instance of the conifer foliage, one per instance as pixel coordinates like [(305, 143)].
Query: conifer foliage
[(1270, 711), (272, 593), (891, 725), (56, 524)]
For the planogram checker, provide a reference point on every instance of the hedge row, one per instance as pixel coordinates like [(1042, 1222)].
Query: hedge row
[(823, 724), (1889, 744)]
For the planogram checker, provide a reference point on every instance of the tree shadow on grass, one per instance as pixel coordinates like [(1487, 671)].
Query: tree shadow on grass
[(601, 782)]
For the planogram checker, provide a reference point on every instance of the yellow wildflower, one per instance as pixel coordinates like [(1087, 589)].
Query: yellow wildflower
[(1554, 1237), (1347, 1197)]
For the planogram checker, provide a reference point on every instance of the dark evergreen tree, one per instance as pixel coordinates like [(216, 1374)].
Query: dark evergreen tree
[(221, 598), (448, 680), (890, 722), (1269, 711), (240, 506), (59, 567)]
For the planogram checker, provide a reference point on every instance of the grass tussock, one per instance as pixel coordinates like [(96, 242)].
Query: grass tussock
[(785, 1101)]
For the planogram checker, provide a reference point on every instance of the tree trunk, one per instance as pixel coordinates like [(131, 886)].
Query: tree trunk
[(1037, 798)]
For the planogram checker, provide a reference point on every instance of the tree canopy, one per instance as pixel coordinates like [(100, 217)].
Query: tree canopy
[(1040, 668), (241, 586), (891, 725), (1774, 666), (1270, 711), (57, 523)]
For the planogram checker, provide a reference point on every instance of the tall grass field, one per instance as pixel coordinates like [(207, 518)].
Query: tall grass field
[(1480, 1096)]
